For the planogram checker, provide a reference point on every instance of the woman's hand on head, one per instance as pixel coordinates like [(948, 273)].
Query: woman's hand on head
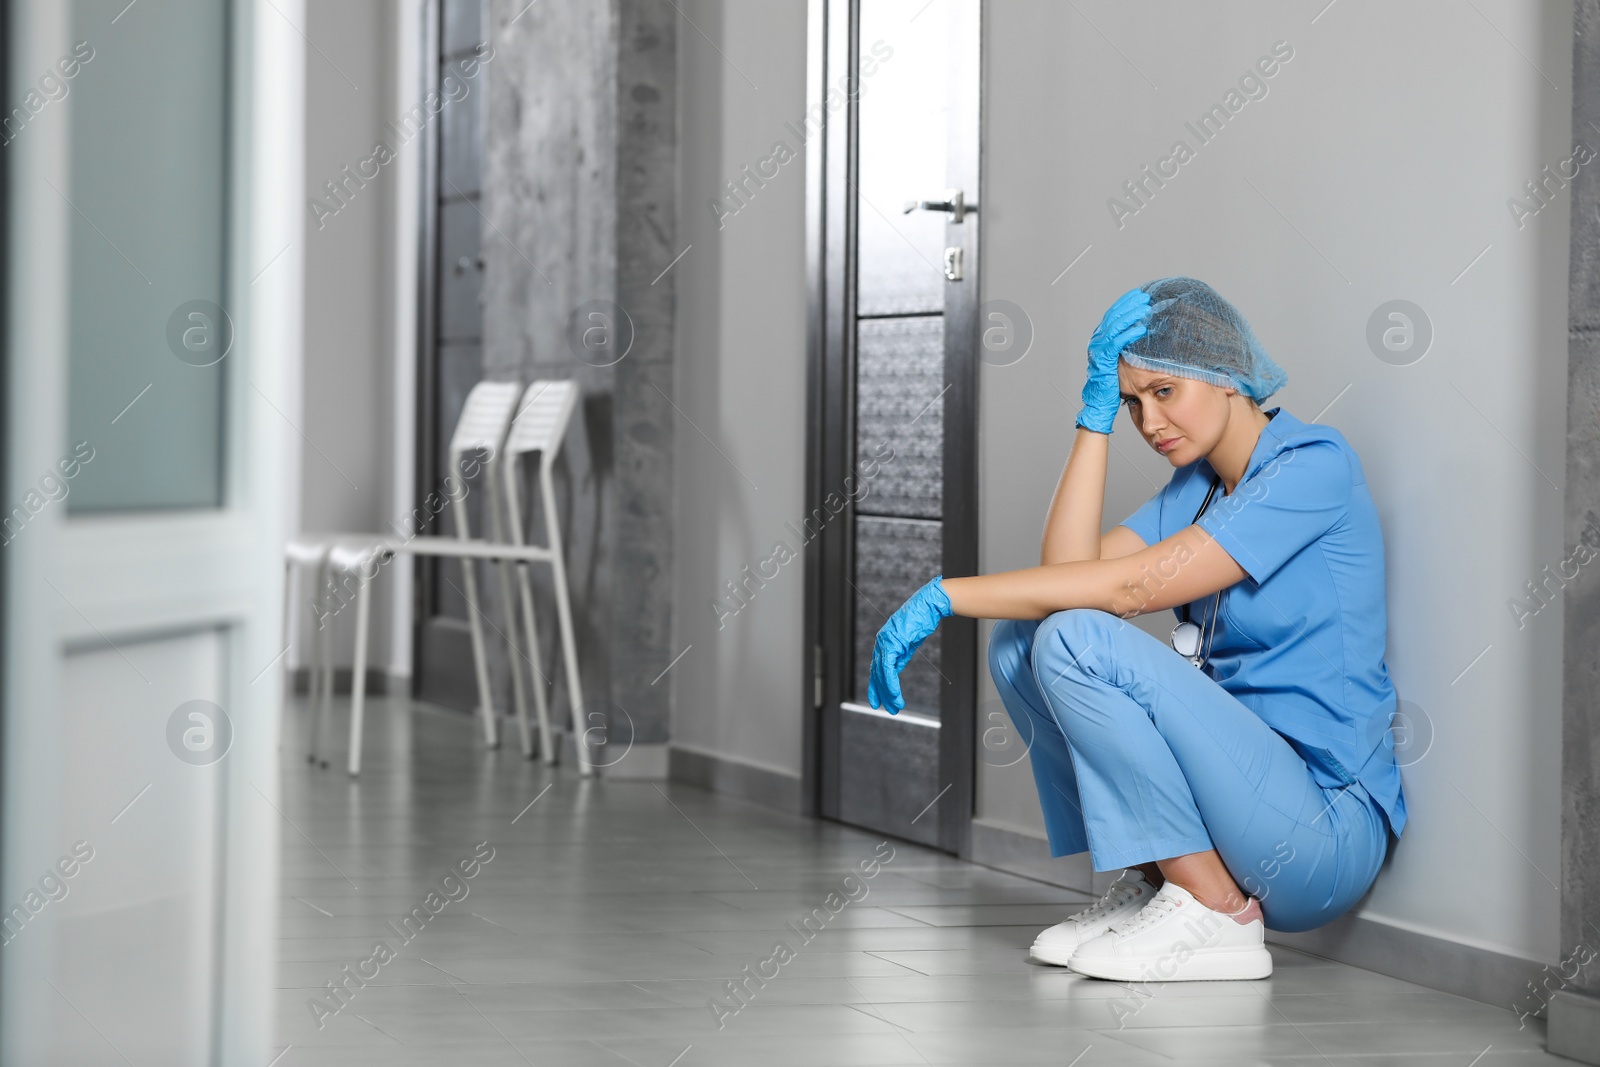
[(1123, 323)]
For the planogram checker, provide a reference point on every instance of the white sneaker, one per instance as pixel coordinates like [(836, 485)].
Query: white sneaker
[(1175, 938), (1127, 895)]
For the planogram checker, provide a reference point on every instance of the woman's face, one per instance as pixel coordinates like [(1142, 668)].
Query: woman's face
[(1181, 418)]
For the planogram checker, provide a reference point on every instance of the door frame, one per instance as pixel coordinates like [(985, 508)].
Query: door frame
[(832, 37), (425, 440)]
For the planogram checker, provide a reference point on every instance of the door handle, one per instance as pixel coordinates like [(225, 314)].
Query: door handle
[(954, 201)]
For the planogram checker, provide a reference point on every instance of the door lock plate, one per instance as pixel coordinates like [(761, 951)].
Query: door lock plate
[(952, 264)]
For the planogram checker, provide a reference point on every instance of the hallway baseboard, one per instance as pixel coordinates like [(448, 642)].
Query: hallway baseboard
[(1480, 974), (642, 763), (1451, 967), (1007, 849), (766, 786), (379, 682)]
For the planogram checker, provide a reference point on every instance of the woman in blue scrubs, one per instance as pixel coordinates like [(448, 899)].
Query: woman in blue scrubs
[(1242, 776)]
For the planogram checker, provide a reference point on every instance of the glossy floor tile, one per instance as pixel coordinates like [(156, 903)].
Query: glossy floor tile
[(457, 905)]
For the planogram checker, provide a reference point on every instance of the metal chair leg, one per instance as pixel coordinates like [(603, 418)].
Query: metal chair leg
[(291, 584), (358, 675), (547, 750), (480, 662), (322, 653), (530, 624), (513, 653), (569, 645)]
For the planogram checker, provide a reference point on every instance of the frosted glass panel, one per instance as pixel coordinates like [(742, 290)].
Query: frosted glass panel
[(894, 557), (904, 109), (899, 404), (149, 344)]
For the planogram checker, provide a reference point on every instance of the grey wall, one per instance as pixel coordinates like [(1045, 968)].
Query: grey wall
[(1377, 167), (741, 378)]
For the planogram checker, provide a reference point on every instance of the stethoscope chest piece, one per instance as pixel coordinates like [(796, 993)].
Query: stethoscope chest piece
[(1188, 639), (1186, 642)]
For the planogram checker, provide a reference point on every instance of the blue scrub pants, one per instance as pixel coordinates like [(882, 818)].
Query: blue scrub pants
[(1140, 756)]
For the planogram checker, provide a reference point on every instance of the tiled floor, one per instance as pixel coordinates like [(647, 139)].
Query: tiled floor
[(613, 914)]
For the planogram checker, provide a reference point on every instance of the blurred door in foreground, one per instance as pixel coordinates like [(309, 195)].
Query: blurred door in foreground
[(154, 201)]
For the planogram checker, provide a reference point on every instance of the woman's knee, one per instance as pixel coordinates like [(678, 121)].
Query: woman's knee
[(1075, 634)]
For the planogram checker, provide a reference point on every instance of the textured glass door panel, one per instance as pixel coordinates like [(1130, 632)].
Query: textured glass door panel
[(147, 184), (899, 382), (895, 557), (904, 130)]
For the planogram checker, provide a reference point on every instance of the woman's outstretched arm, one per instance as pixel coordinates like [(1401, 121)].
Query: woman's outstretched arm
[(1072, 524), (1182, 568)]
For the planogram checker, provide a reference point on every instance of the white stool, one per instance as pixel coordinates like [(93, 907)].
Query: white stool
[(540, 427), (339, 558), (361, 562)]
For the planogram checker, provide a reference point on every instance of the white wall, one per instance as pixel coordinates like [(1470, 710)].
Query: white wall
[(1377, 167), (741, 383), (348, 470)]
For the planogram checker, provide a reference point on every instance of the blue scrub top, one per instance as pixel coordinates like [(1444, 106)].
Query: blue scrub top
[(1300, 641)]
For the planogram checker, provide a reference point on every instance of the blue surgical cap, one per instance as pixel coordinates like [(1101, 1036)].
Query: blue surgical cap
[(1195, 333)]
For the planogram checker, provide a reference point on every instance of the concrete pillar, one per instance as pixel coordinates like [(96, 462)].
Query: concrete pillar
[(1573, 987), (580, 158)]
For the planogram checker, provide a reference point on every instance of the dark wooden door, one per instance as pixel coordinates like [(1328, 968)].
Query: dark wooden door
[(450, 348), (895, 350)]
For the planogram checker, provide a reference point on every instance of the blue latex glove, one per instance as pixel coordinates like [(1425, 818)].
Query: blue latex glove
[(1123, 323), (898, 640)]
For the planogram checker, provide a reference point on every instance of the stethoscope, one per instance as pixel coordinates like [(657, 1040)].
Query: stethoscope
[(1187, 637)]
